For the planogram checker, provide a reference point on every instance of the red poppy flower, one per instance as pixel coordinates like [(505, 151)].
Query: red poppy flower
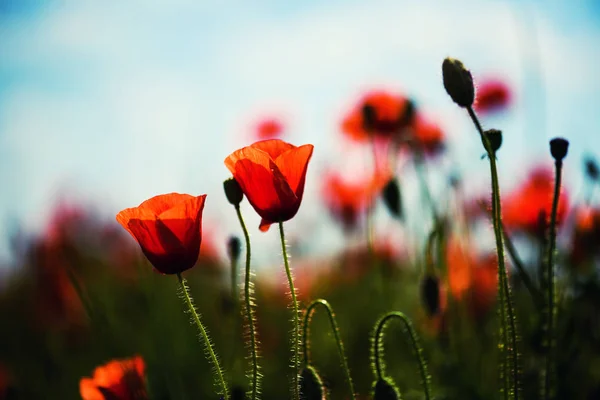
[(391, 113), (271, 174), (118, 380), (428, 136), (269, 129), (492, 95), (348, 200), (460, 268), (521, 209), (168, 228)]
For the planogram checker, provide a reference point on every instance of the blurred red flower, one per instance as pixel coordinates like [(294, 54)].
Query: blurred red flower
[(271, 174), (472, 277), (347, 201), (428, 137), (168, 228), (492, 95), (521, 209), (391, 114), (586, 236), (270, 128), (116, 380)]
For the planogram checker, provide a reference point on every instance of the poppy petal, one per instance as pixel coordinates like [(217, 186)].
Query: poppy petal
[(161, 203), (293, 165), (264, 225), (273, 147), (185, 219), (89, 391)]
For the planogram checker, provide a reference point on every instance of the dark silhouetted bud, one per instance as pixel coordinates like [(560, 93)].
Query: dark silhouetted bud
[(458, 82), (238, 393), (233, 191), (384, 389), (430, 294), (591, 168), (393, 198), (410, 111), (311, 385), (559, 148), (234, 248), (369, 115), (494, 136)]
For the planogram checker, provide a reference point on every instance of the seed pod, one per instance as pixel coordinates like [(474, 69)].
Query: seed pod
[(234, 248), (384, 389), (591, 169), (430, 294), (559, 148), (311, 385), (494, 136), (458, 82)]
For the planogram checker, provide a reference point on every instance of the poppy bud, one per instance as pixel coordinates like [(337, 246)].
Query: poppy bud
[(494, 136), (369, 115), (409, 113), (392, 198), (384, 389), (591, 169), (559, 148), (430, 294), (234, 248), (233, 191), (458, 82), (311, 384)]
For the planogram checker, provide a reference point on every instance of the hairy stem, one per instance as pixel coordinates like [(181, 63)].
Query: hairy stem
[(336, 333), (207, 342), (296, 331), (510, 370), (378, 349), (549, 389), (255, 375), (514, 256)]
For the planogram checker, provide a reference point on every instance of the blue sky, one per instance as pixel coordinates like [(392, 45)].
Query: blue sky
[(112, 102)]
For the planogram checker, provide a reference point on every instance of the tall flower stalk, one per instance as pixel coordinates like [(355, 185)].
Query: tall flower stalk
[(235, 196), (558, 149), (295, 317), (458, 82)]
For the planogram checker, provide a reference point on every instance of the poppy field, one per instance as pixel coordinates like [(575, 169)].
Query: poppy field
[(488, 295)]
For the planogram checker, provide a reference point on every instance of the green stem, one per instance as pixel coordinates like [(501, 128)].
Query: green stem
[(296, 332), (378, 349), (507, 313), (255, 376), (207, 342), (514, 256), (425, 192), (336, 333), (551, 288)]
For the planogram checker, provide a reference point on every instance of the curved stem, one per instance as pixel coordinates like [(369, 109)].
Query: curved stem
[(378, 349), (77, 287), (551, 288), (514, 256), (207, 342), (255, 376), (336, 333), (507, 313), (296, 332)]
